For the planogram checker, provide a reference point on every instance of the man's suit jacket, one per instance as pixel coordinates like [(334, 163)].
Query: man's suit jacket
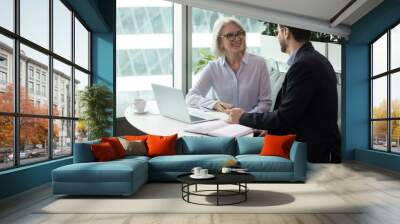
[(307, 106)]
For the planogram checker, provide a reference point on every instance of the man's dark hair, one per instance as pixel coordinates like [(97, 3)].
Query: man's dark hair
[(299, 35)]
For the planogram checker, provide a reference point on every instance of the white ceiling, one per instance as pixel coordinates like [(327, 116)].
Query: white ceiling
[(315, 15), (319, 9)]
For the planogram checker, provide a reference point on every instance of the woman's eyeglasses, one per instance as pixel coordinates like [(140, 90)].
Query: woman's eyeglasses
[(232, 36)]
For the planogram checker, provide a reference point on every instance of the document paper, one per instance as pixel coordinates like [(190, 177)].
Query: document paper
[(219, 128)]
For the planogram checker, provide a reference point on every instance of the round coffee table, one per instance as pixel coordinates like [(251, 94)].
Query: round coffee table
[(238, 179)]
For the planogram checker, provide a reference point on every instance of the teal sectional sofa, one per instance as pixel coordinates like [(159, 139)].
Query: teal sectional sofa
[(125, 176)]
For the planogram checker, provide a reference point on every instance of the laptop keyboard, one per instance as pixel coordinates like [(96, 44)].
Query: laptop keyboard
[(194, 118)]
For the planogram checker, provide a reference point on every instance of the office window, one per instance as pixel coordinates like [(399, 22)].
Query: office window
[(81, 81), (81, 45), (62, 29), (40, 63), (395, 47), (379, 56), (379, 98), (81, 131), (62, 138), (6, 74), (43, 133), (144, 49), (7, 14), (35, 21), (33, 140), (385, 94), (395, 135), (63, 73), (380, 137), (6, 142)]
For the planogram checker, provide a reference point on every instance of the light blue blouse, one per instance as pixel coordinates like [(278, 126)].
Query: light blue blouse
[(249, 88)]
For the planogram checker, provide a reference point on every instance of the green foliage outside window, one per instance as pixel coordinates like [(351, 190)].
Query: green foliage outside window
[(270, 29), (205, 58)]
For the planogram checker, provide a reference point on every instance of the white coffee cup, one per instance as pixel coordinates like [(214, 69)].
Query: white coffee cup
[(139, 105), (203, 172), (196, 171), (226, 170)]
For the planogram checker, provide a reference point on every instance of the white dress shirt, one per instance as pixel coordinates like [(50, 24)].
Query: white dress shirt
[(249, 88), (290, 61)]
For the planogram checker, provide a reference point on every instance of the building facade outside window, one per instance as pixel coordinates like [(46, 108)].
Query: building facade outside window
[(3, 72), (3, 78), (30, 87)]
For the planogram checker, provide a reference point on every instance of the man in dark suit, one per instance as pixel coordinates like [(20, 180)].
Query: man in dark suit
[(307, 103)]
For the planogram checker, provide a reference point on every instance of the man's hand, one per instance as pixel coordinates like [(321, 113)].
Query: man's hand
[(222, 106), (234, 115)]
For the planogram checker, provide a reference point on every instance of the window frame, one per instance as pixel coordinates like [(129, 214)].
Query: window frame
[(388, 74), (16, 115)]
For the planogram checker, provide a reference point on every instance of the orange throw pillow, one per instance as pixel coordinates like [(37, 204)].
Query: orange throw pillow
[(161, 145), (103, 152), (116, 145), (277, 145), (136, 137)]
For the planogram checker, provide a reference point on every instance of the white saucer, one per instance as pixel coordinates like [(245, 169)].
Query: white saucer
[(208, 176), (144, 112)]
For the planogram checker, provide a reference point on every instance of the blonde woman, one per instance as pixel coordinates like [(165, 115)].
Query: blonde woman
[(237, 78)]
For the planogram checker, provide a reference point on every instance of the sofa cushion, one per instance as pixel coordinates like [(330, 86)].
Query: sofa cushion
[(134, 147), (116, 145), (198, 145), (103, 152), (257, 163), (136, 137), (185, 163), (112, 171), (277, 145), (161, 145), (249, 145)]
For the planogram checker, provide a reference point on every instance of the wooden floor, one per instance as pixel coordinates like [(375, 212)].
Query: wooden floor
[(378, 188)]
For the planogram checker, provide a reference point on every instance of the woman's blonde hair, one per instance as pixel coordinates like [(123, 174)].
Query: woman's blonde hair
[(216, 37)]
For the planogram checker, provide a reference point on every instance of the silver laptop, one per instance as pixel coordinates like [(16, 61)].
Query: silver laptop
[(171, 103)]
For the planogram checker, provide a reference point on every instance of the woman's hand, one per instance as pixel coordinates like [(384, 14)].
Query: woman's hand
[(222, 106)]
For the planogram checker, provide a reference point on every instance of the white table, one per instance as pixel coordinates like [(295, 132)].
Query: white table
[(154, 123)]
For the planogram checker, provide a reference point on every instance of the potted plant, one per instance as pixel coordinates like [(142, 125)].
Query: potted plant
[(96, 102)]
